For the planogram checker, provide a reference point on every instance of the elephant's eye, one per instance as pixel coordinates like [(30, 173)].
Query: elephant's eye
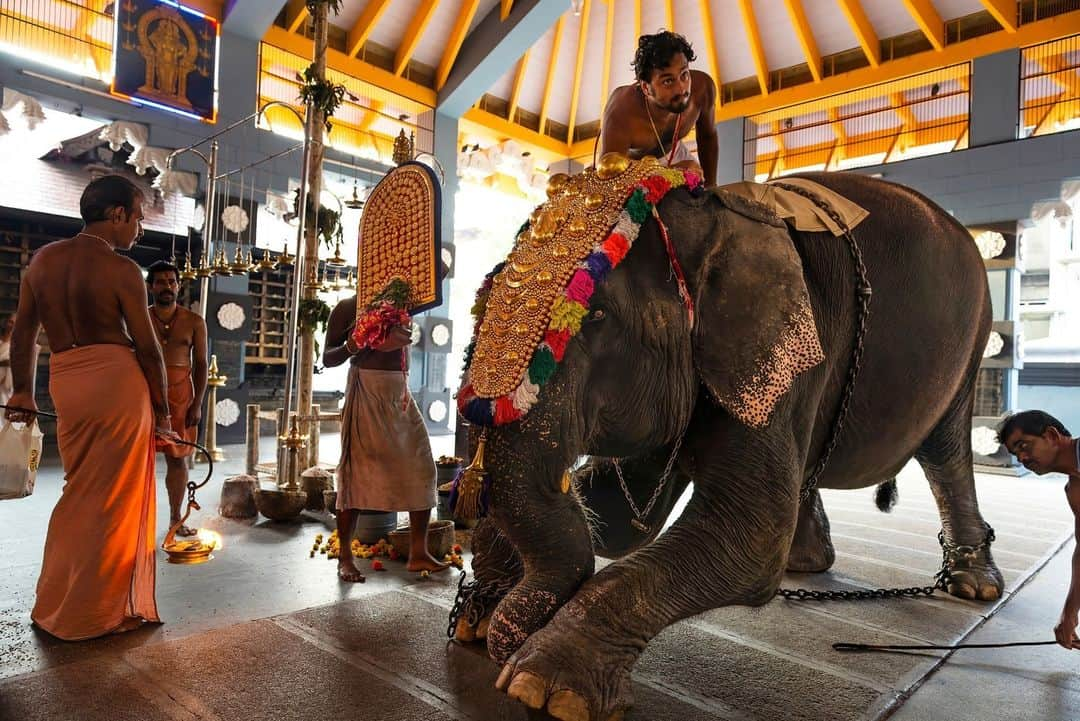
[(597, 314)]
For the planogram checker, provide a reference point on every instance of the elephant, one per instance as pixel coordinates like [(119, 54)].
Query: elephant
[(684, 401)]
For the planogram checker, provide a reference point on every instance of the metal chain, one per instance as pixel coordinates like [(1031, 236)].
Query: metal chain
[(951, 557), (476, 600), (639, 514), (862, 294)]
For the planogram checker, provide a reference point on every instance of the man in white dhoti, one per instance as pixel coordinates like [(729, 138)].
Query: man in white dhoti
[(386, 462)]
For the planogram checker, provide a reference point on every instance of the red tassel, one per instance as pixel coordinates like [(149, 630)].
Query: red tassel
[(684, 292)]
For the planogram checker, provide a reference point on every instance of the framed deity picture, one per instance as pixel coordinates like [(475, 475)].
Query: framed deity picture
[(165, 56)]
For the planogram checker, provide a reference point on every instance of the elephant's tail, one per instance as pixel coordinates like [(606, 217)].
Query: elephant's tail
[(886, 495)]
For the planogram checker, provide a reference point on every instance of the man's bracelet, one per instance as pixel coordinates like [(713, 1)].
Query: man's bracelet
[(349, 347)]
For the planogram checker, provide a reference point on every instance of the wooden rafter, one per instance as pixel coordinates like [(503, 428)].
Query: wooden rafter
[(806, 37), (669, 15), (609, 32), (902, 140), (413, 34), (505, 6), (756, 47), (637, 21), (710, 44), (515, 91), (583, 36), (457, 37), (928, 21), (872, 143), (1004, 11), (549, 83), (296, 14), (361, 29), (370, 116), (1067, 103), (863, 29)]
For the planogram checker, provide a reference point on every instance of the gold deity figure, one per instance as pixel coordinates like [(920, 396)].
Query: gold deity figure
[(170, 49)]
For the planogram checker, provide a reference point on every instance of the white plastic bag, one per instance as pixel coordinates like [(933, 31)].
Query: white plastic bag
[(20, 454)]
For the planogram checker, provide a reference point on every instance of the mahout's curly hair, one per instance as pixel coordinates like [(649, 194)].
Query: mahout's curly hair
[(656, 51)]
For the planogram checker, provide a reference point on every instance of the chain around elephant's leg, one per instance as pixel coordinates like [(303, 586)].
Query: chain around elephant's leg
[(946, 458), (497, 568)]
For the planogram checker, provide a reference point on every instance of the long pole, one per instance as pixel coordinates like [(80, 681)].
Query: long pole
[(208, 224)]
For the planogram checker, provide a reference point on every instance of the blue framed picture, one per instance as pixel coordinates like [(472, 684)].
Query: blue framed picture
[(165, 56)]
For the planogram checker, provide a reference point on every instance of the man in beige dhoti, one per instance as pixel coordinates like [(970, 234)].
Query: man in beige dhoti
[(386, 462)]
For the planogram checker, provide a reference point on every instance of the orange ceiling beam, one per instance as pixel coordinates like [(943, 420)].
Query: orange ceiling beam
[(413, 34), (505, 6), (710, 44), (583, 36), (457, 37), (863, 29), (339, 61), (1033, 33), (756, 48), (605, 77), (805, 35), (1004, 11), (1066, 104), (669, 15), (928, 20), (515, 91), (637, 20), (296, 14), (504, 128), (549, 83), (361, 29)]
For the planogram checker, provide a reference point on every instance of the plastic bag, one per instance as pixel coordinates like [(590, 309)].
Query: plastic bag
[(20, 454)]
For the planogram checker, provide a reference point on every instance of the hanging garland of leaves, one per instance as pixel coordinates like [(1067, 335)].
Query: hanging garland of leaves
[(327, 221), (313, 314), (322, 95)]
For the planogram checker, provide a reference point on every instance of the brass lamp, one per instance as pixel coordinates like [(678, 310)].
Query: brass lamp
[(188, 272)]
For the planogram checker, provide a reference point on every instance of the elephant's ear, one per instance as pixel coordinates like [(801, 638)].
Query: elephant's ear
[(755, 332)]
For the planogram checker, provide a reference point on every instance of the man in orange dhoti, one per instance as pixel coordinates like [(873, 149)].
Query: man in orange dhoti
[(107, 381), (183, 341)]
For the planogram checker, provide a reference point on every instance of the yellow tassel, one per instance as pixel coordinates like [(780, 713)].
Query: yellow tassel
[(471, 485)]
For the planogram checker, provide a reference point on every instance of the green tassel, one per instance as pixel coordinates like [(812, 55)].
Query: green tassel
[(637, 207), (542, 366)]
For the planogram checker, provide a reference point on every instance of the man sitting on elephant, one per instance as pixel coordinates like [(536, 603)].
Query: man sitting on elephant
[(652, 116), (1044, 445)]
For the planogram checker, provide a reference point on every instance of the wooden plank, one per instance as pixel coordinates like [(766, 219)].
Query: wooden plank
[(928, 21), (549, 83), (361, 29), (806, 37), (753, 36), (457, 37), (583, 34), (413, 34), (863, 29)]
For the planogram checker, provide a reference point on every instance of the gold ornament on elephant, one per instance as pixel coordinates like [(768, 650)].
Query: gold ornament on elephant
[(563, 232)]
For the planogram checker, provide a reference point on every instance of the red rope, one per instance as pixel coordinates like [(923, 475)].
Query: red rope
[(684, 293)]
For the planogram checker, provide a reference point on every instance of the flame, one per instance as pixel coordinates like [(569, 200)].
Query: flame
[(210, 539)]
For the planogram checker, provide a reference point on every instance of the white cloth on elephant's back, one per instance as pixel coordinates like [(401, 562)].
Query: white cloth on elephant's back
[(386, 462), (799, 211)]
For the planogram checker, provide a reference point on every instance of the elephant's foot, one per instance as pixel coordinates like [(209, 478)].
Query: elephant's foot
[(570, 674), (975, 577), (811, 548), (523, 612)]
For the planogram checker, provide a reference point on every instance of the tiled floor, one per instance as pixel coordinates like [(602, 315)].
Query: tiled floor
[(263, 631)]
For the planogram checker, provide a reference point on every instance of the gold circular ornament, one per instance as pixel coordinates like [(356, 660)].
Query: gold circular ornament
[(593, 202), (612, 165), (577, 226), (556, 184), (544, 276)]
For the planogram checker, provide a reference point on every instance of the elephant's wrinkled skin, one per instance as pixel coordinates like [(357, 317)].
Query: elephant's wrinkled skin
[(637, 377)]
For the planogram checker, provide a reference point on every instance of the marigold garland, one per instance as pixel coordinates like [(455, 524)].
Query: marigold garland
[(569, 309)]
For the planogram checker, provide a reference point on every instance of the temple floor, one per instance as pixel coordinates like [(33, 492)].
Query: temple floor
[(264, 631)]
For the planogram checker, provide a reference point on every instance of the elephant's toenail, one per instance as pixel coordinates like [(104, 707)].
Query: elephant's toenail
[(568, 706), (528, 688)]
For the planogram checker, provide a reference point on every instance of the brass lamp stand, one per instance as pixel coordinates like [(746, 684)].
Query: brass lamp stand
[(213, 381)]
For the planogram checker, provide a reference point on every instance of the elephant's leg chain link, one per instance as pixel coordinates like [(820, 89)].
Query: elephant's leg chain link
[(640, 515), (953, 557), (862, 296)]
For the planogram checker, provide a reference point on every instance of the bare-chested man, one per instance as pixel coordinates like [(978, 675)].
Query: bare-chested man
[(1043, 444), (386, 462), (652, 116), (107, 381), (182, 335)]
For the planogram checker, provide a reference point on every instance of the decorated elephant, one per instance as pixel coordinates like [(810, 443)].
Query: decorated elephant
[(675, 334)]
